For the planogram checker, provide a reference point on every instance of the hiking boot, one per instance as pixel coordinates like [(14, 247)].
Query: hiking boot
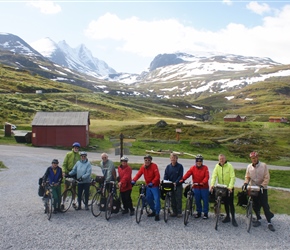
[(198, 215), (256, 223), (86, 207), (125, 211), (271, 227), (152, 215), (179, 215), (226, 219), (132, 212), (55, 211), (173, 215), (234, 222), (205, 216), (74, 206), (157, 217), (79, 208), (61, 207)]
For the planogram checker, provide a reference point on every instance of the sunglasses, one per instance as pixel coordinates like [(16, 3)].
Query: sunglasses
[(147, 160), (198, 161)]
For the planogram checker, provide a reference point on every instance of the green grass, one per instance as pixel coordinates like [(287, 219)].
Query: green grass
[(2, 165)]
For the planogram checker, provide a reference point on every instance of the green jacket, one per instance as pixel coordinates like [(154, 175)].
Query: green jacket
[(224, 174), (69, 161)]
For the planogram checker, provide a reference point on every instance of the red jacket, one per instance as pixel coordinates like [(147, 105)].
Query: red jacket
[(199, 175), (151, 174), (125, 174)]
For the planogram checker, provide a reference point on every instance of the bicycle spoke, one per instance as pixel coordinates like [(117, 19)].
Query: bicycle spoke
[(96, 203), (139, 210), (249, 216)]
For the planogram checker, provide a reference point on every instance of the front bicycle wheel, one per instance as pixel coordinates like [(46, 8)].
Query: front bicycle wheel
[(166, 207), (96, 205), (193, 204), (109, 206), (187, 210), (48, 207), (139, 210), (66, 198), (217, 212), (249, 216)]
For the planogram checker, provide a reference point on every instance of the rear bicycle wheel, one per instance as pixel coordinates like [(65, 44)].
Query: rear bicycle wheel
[(66, 198), (49, 202), (109, 206), (166, 207), (96, 205), (249, 216), (139, 210), (188, 209), (217, 212), (193, 204)]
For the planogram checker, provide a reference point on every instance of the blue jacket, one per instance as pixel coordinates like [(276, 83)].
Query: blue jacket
[(174, 173), (53, 178), (82, 169)]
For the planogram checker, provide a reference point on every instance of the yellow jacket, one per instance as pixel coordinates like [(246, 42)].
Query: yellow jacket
[(224, 174)]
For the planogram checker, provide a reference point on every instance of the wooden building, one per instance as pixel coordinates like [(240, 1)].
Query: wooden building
[(50, 129), (277, 119), (232, 118)]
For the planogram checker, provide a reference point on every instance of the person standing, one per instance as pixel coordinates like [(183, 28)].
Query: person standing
[(83, 170), (108, 168), (69, 161), (54, 175), (200, 177), (257, 174), (224, 174), (152, 179), (174, 172), (124, 183)]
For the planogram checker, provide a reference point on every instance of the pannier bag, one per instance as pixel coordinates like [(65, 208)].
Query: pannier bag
[(103, 202), (221, 190), (40, 187), (211, 198), (186, 189), (100, 179), (253, 190), (116, 205), (242, 199)]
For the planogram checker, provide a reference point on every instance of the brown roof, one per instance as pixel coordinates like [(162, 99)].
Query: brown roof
[(61, 119)]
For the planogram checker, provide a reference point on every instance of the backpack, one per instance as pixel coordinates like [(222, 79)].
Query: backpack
[(116, 205), (40, 187)]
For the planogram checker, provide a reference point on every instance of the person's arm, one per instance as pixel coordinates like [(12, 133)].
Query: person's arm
[(206, 175), (266, 177), (232, 177), (247, 176), (60, 179), (213, 178), (139, 174), (45, 176), (180, 174), (88, 172), (74, 170), (65, 164), (156, 179), (188, 174)]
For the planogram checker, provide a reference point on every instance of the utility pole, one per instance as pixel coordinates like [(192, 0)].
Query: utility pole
[(121, 145)]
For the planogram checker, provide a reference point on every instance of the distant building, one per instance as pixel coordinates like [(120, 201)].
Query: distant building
[(50, 129), (277, 119), (243, 118), (232, 118)]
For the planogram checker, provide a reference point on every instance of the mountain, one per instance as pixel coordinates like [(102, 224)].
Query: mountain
[(79, 59)]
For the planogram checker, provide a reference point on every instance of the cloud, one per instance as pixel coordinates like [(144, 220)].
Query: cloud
[(258, 8), (228, 2), (46, 7), (149, 38)]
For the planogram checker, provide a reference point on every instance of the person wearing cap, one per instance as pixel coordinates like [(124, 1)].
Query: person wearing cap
[(54, 175), (69, 161), (108, 168), (152, 179), (83, 170), (257, 174), (174, 172), (124, 183), (224, 173), (200, 177)]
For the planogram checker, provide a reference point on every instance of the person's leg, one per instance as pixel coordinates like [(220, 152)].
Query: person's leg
[(197, 196), (87, 193), (55, 197), (178, 198), (80, 192), (257, 206), (204, 197), (150, 199), (58, 191), (226, 205), (174, 202), (232, 207), (264, 202)]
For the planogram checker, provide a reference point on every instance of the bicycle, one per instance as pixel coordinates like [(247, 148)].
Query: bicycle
[(220, 192), (110, 206), (69, 195), (253, 191), (190, 203), (167, 187), (141, 203), (48, 199), (92, 191)]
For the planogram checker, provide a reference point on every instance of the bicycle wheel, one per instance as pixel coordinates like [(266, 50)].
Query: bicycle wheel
[(109, 206), (96, 203), (66, 198), (187, 210), (249, 215), (193, 204), (166, 207), (92, 191), (217, 212), (49, 201), (139, 210)]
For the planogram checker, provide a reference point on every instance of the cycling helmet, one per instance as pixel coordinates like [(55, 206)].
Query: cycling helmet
[(199, 158), (83, 153), (76, 144), (253, 154), (148, 157), (124, 158)]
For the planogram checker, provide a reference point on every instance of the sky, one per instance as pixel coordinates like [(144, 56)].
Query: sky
[(128, 35)]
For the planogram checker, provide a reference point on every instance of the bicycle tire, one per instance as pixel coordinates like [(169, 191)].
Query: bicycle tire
[(166, 207), (139, 210), (217, 212), (66, 198), (92, 191), (249, 216), (193, 204), (49, 203), (109, 206), (96, 203), (187, 210)]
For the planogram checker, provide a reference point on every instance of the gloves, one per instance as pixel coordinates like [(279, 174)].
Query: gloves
[(133, 183), (150, 185), (181, 181), (80, 179), (67, 176), (261, 187), (244, 187)]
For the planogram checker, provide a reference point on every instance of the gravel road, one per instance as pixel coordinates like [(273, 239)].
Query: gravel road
[(23, 224)]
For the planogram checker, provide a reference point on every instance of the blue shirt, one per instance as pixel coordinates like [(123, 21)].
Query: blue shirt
[(174, 173)]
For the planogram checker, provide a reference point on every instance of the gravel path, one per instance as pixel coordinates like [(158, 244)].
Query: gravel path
[(23, 224)]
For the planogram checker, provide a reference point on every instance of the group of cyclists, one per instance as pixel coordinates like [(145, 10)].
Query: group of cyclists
[(76, 165)]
